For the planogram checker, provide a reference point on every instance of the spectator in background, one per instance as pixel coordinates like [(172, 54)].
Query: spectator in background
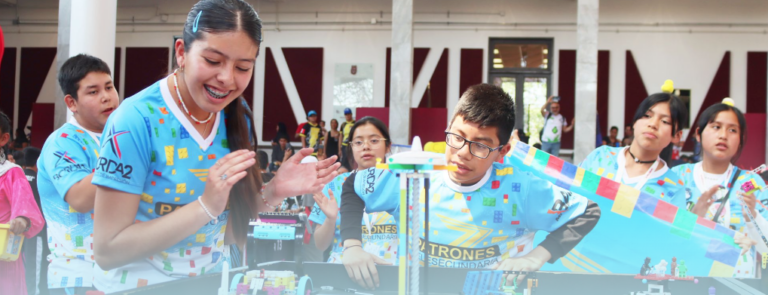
[(17, 209), (332, 139), (346, 162), (321, 145), (21, 140), (17, 157), (555, 125), (627, 141), (36, 249), (522, 136), (696, 150), (629, 132), (280, 152), (613, 139), (677, 150), (311, 135), (266, 176), (282, 131), (299, 130)]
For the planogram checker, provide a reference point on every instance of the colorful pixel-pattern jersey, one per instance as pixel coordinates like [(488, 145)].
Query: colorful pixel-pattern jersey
[(480, 225), (663, 184), (68, 155), (382, 239), (735, 220), (633, 226), (150, 149), (594, 254)]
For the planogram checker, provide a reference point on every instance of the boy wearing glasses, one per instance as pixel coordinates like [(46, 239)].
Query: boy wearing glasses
[(485, 214)]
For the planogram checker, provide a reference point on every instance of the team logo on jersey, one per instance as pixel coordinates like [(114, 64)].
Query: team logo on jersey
[(561, 205), (63, 157), (201, 174), (113, 141)]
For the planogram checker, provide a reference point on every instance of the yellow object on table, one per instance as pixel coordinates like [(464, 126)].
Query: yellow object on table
[(10, 244)]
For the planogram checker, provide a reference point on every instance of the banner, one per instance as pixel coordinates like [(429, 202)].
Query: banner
[(635, 226)]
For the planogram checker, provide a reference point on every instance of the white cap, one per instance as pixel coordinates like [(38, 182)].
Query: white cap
[(309, 159)]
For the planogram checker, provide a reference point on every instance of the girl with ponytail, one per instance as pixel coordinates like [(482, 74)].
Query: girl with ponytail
[(177, 175)]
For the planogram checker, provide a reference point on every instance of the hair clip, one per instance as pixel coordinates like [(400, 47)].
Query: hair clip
[(197, 20)]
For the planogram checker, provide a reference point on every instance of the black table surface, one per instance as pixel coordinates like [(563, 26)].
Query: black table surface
[(448, 281)]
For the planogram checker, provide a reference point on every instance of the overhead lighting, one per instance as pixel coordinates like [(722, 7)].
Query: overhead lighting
[(546, 60), (498, 66), (545, 51), (497, 60), (495, 51)]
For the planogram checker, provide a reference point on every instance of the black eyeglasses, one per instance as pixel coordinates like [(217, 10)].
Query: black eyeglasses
[(477, 149)]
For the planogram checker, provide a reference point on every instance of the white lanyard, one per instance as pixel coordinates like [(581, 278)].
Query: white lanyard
[(368, 223), (95, 139), (725, 182), (622, 170)]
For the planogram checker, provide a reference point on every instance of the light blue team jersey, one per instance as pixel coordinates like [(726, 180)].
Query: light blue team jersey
[(663, 183), (382, 239), (150, 149), (608, 247), (735, 217), (69, 154), (480, 225), (732, 215)]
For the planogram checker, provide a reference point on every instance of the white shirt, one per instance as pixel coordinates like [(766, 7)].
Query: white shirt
[(553, 128)]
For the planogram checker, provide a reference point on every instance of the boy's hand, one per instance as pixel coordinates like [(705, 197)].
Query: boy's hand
[(361, 266), (531, 262)]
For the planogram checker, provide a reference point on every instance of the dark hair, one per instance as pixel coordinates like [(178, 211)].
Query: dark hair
[(18, 156), (709, 115), (376, 123), (489, 106), (263, 159), (614, 128), (76, 68), (677, 110), (219, 16), (30, 156), (5, 124), (678, 115), (281, 129), (331, 124)]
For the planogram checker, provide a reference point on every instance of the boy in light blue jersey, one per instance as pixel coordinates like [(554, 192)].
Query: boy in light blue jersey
[(66, 164), (485, 214)]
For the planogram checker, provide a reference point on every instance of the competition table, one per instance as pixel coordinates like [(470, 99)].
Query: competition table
[(451, 281)]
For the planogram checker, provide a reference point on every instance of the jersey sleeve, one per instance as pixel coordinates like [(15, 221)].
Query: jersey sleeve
[(65, 162), (379, 189), (547, 207), (125, 152)]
